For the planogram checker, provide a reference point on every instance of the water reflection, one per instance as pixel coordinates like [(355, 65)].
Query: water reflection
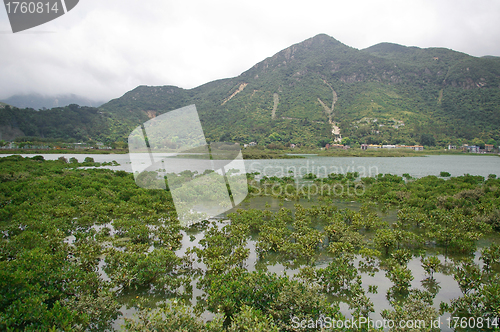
[(442, 284)]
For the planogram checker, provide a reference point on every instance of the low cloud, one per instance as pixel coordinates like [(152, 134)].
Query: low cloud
[(102, 49)]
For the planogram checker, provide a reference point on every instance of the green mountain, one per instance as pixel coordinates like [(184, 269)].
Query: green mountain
[(321, 90)]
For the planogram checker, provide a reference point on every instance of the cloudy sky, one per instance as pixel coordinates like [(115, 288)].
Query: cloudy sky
[(104, 48)]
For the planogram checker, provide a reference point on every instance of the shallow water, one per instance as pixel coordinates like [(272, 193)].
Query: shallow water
[(448, 286), (418, 167)]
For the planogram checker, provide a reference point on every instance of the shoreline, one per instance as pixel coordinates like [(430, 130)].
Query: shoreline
[(62, 151), (275, 154)]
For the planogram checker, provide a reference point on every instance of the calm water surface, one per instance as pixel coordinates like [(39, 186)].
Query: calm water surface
[(456, 165)]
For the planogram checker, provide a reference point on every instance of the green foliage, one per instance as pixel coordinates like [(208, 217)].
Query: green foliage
[(252, 320), (172, 317), (48, 281), (66, 123), (480, 288), (136, 267), (63, 227), (223, 249), (430, 264), (402, 256), (401, 277), (385, 239), (279, 297), (490, 256), (416, 311), (337, 278)]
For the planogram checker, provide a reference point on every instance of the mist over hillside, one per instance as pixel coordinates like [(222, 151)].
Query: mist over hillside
[(38, 101)]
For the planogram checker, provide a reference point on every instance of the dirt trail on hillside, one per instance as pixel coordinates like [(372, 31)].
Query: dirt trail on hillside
[(276, 99)]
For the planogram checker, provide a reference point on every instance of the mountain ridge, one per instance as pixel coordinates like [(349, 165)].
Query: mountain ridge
[(324, 67), (38, 101), (320, 90)]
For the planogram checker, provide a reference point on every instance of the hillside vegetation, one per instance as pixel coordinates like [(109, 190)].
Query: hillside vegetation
[(319, 91)]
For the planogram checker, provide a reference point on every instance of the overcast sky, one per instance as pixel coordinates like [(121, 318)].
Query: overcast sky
[(104, 48)]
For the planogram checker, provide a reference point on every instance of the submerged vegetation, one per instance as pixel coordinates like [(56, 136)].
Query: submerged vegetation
[(80, 245)]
